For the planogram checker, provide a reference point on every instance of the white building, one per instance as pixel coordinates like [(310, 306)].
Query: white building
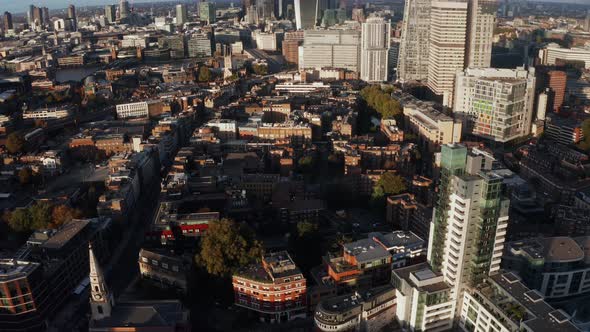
[(136, 110), (48, 113), (265, 40), (181, 14), (330, 48), (447, 42), (413, 48), (551, 54), (496, 104), (375, 42)]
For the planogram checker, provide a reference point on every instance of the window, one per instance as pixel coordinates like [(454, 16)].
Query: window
[(144, 259), (99, 308), (164, 265), (154, 262)]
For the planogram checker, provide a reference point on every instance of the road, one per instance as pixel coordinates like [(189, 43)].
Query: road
[(75, 313)]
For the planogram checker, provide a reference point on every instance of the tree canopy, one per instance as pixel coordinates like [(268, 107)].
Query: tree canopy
[(585, 143), (15, 143), (391, 184), (260, 69), (381, 101), (226, 247), (204, 74), (41, 215)]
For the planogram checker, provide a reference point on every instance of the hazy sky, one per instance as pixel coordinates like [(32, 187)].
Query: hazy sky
[(20, 6)]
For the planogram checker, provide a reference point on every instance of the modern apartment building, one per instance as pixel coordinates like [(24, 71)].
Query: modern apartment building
[(447, 43), (275, 289), (375, 41), (495, 104), (413, 48), (330, 48), (557, 267)]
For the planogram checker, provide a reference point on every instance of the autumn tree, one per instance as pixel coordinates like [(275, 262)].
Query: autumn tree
[(62, 214), (15, 143), (204, 74), (226, 247)]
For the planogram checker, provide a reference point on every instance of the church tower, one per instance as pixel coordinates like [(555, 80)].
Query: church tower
[(101, 300)]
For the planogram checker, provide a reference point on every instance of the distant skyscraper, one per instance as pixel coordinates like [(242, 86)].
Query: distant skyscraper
[(30, 14), (72, 16), (110, 12), (496, 104), (45, 16), (446, 56), (375, 41), (587, 22), (7, 21), (207, 11), (413, 49), (123, 9), (266, 9), (305, 14), (480, 32), (181, 14)]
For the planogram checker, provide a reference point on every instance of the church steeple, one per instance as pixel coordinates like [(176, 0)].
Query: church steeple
[(101, 300)]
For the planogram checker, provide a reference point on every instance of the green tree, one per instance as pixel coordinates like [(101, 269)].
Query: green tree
[(41, 216), (25, 176), (15, 143), (306, 228), (391, 183), (20, 220), (204, 74), (260, 69), (226, 247), (585, 143)]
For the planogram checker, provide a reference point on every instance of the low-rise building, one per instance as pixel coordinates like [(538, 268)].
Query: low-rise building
[(369, 310), (164, 268), (275, 289), (49, 113), (141, 109)]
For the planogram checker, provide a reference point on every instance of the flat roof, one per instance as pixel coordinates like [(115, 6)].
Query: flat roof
[(65, 234)]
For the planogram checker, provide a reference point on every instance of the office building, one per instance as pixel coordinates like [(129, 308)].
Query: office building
[(587, 22), (110, 13), (199, 46), (480, 32), (72, 16), (181, 14), (553, 54), (556, 82), (124, 10), (305, 14), (275, 288), (164, 269), (375, 41), (413, 48), (136, 110), (7, 22), (495, 104), (207, 12), (330, 49), (290, 49), (447, 39), (176, 44), (265, 9)]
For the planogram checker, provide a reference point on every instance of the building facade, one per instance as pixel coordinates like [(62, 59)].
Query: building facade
[(375, 43), (413, 48)]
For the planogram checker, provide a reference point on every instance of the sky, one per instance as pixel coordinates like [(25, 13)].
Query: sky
[(20, 6)]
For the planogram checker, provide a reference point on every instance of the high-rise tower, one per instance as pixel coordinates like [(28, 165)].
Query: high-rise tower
[(123, 9), (101, 300), (181, 14), (413, 49), (480, 33), (375, 41)]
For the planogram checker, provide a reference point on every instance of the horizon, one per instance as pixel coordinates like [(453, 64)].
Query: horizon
[(18, 8)]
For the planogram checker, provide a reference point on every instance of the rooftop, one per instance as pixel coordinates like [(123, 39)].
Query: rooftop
[(146, 314), (11, 269), (65, 233)]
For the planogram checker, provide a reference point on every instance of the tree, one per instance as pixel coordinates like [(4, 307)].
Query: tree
[(25, 175), (20, 220), (204, 74), (41, 216), (306, 164), (62, 214), (260, 69), (306, 228), (391, 184), (15, 143), (585, 144), (226, 247)]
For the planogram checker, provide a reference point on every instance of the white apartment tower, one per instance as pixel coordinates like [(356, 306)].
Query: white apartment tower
[(413, 48), (375, 43), (447, 42), (496, 104), (330, 49), (480, 33)]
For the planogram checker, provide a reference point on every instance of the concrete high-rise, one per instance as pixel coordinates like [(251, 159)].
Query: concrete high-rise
[(413, 48), (587, 22), (207, 12), (181, 14), (123, 9), (375, 42), (557, 81), (496, 104), (305, 14), (480, 32), (110, 13), (447, 42), (330, 49)]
